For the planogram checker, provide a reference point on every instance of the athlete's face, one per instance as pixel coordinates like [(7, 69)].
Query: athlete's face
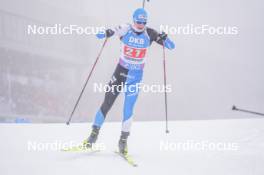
[(140, 25)]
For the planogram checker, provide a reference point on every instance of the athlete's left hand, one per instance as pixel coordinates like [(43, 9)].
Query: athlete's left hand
[(163, 36)]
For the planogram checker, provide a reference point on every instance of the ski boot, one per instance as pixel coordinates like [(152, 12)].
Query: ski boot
[(88, 143), (122, 144)]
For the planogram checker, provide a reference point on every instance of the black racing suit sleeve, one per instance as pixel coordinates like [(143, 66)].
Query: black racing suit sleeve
[(154, 36)]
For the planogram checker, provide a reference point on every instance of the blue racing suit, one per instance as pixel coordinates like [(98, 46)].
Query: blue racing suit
[(129, 71)]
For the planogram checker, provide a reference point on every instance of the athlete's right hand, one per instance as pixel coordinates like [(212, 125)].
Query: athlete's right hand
[(108, 33), (100, 35)]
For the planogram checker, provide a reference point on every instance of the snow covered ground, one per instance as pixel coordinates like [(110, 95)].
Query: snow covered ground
[(243, 141)]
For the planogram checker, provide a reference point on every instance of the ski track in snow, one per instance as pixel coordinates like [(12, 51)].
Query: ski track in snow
[(144, 146)]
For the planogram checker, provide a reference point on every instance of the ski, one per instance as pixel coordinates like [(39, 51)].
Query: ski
[(80, 148), (127, 158)]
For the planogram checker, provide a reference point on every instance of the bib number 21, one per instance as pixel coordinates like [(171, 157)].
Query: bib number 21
[(134, 52)]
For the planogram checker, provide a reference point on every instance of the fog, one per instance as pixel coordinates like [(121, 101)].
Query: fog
[(41, 76)]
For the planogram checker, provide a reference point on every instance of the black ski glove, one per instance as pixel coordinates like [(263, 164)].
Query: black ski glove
[(163, 36), (109, 33)]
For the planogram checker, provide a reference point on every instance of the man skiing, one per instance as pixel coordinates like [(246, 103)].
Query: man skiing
[(135, 39)]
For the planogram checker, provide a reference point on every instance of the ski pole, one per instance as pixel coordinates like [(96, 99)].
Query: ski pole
[(89, 76), (234, 108), (165, 85)]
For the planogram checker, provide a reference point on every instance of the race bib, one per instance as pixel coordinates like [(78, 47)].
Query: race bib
[(137, 53)]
